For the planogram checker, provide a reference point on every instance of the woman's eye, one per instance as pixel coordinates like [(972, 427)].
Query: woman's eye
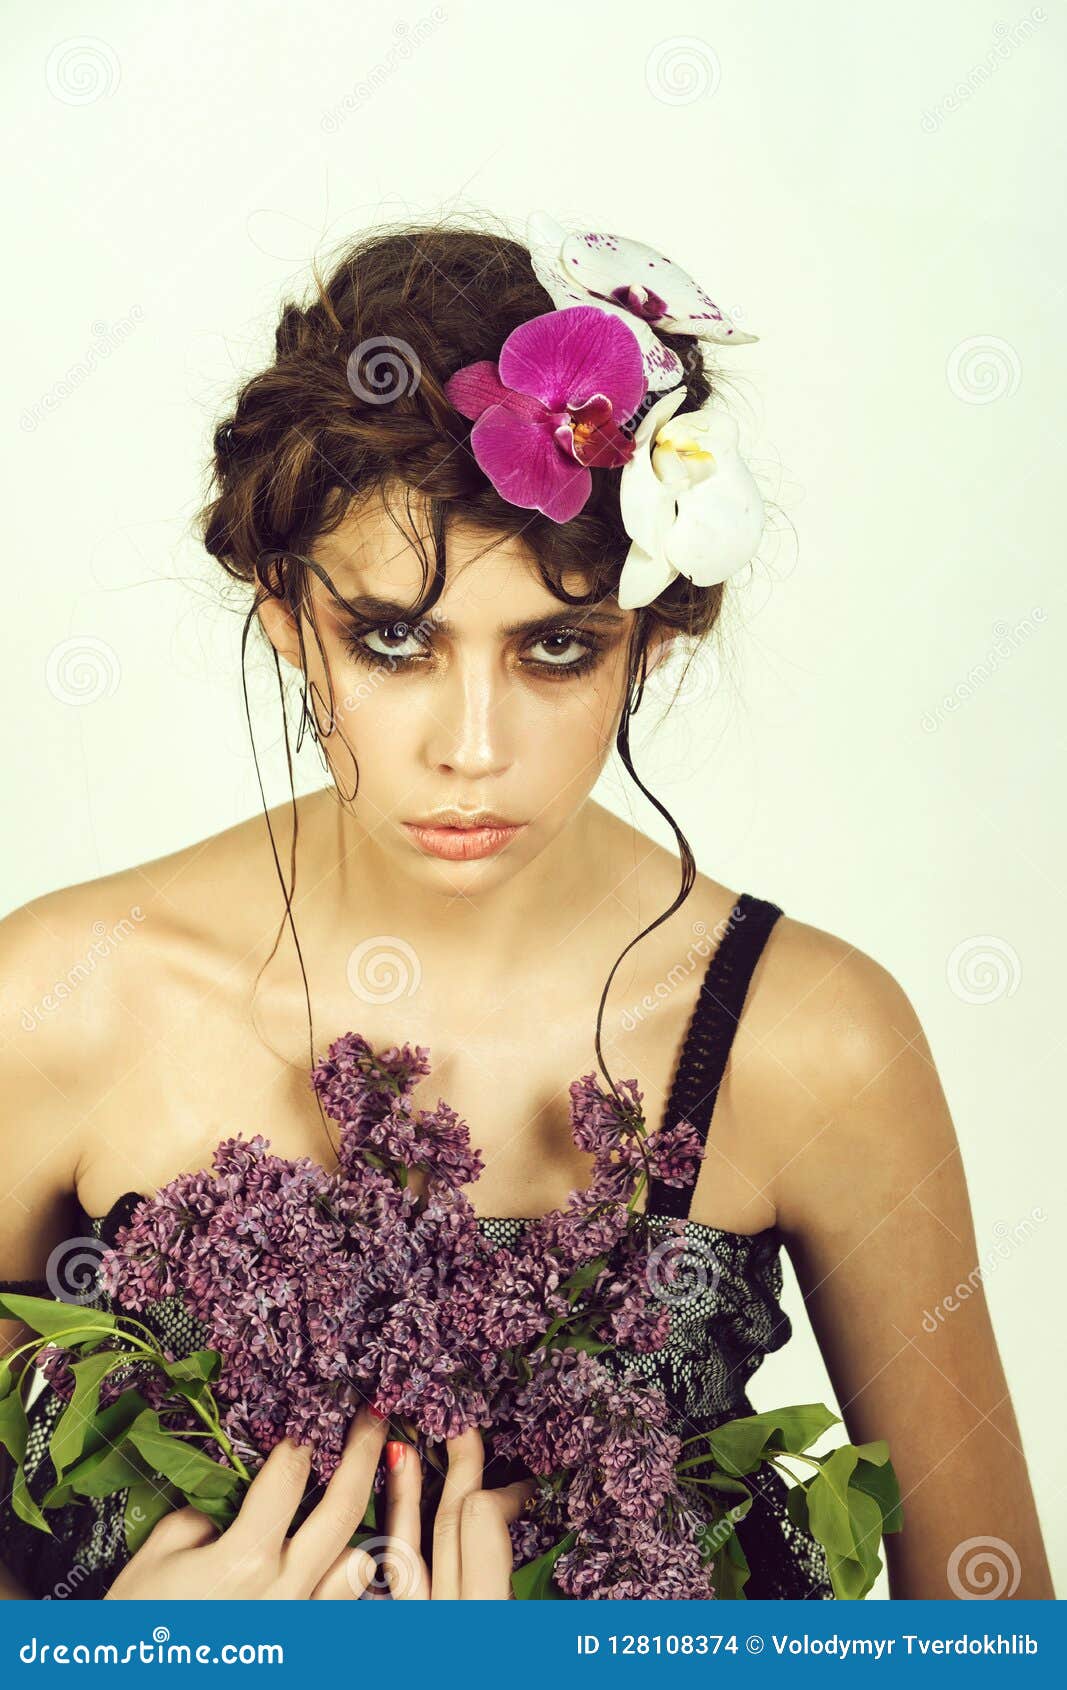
[(398, 640), (569, 652)]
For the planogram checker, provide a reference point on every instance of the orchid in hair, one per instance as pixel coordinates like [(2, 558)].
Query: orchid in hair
[(633, 281), (688, 502), (553, 407)]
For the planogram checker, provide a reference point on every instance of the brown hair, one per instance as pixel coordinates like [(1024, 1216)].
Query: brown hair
[(355, 403)]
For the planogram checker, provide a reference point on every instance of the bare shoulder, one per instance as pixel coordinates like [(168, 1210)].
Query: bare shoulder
[(88, 970), (831, 1058)]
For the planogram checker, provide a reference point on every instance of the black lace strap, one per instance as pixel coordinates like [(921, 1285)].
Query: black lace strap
[(710, 1034)]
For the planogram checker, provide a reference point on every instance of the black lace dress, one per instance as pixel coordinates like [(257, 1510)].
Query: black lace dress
[(726, 1316)]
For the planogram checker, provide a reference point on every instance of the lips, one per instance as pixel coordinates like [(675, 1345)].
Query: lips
[(462, 843), (466, 820)]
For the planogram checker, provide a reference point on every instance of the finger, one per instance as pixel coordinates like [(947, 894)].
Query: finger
[(352, 1574), (184, 1528), (330, 1525), (486, 1555), (272, 1499), (464, 1475), (404, 1567)]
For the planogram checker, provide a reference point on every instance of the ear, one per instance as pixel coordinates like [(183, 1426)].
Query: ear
[(279, 625), (660, 643)]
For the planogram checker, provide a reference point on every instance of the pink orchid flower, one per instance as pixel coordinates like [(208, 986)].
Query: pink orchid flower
[(553, 407)]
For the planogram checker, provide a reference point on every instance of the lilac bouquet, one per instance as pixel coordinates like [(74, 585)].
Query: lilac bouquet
[(316, 1291)]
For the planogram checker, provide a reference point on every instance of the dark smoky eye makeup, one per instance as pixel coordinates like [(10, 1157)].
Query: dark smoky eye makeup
[(396, 635)]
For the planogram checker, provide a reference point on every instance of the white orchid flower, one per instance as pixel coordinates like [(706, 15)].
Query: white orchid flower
[(688, 502), (635, 282)]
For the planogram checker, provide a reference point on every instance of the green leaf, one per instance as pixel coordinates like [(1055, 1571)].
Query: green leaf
[(201, 1365), (739, 1446), (584, 1276), (796, 1506), (879, 1480), (221, 1509), (190, 1469), (828, 1502), (146, 1504), (8, 1379), (50, 1317), (111, 1469), (67, 1443), (368, 1519), (13, 1428), (25, 1507), (853, 1575), (577, 1341), (533, 1582), (730, 1571), (107, 1429)]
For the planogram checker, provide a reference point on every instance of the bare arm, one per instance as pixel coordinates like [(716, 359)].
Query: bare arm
[(874, 1206), (42, 1125)]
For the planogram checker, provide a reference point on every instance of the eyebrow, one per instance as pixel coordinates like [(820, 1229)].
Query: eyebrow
[(369, 609)]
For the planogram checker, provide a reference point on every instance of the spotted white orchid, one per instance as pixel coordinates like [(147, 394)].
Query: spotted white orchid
[(688, 502), (635, 282)]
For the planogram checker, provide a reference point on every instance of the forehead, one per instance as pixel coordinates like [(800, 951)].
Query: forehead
[(375, 552)]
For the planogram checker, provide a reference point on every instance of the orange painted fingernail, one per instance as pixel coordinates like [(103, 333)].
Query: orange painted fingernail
[(394, 1455), (376, 1412)]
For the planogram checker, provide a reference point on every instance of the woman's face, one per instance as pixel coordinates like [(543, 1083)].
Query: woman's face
[(502, 700)]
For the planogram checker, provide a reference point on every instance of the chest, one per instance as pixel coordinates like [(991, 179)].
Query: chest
[(189, 1078)]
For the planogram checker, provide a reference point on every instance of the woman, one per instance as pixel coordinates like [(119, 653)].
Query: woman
[(472, 613)]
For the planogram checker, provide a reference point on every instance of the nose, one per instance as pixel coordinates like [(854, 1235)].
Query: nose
[(469, 730)]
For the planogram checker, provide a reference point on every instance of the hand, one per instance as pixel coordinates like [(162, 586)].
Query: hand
[(472, 1554), (185, 1557)]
